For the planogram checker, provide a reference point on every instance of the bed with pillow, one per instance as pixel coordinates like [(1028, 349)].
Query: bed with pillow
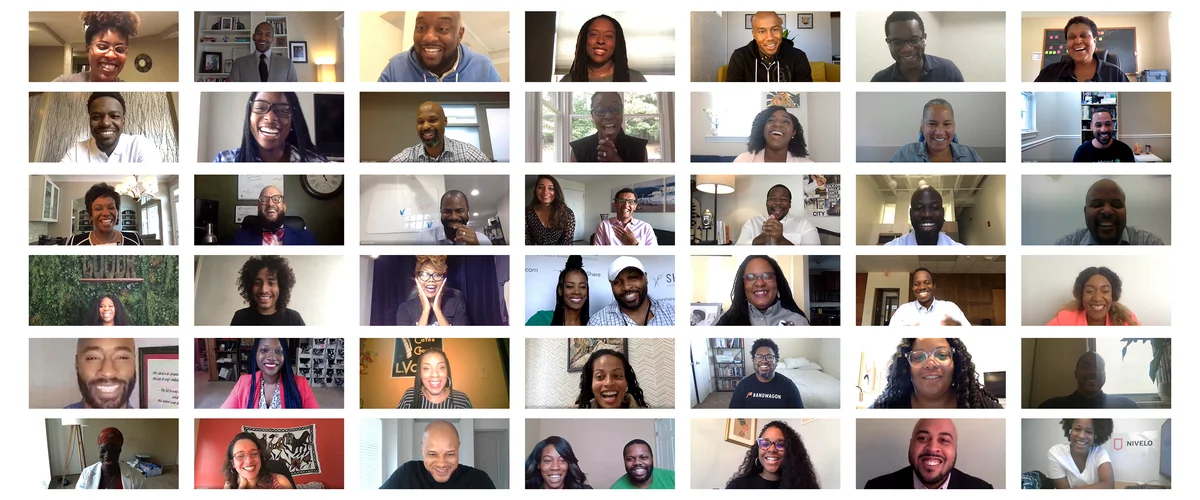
[(818, 389)]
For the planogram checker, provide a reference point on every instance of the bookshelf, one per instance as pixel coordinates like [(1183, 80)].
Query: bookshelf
[(728, 361), (231, 34), (1090, 100)]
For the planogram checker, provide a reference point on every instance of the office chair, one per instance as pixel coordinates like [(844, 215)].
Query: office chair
[(293, 222)]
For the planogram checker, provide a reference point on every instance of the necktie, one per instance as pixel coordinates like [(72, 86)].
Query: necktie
[(262, 67)]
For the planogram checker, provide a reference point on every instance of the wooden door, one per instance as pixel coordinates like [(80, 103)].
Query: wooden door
[(998, 307)]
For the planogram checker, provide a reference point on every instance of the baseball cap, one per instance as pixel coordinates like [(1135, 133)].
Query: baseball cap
[(621, 263)]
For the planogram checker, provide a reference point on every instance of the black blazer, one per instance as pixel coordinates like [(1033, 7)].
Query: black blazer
[(903, 480)]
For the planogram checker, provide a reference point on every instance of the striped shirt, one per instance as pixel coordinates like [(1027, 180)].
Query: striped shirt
[(663, 315), (456, 401), (1131, 236), (455, 152)]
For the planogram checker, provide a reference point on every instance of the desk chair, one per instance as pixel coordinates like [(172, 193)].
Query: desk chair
[(293, 222)]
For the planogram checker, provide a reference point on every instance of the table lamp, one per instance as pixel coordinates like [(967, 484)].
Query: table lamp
[(716, 185)]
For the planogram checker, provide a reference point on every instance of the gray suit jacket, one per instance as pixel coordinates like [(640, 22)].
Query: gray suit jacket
[(245, 69)]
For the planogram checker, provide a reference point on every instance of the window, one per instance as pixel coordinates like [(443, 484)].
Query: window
[(1028, 124), (889, 214), (566, 117), (370, 453), (1130, 375), (462, 123), (150, 223), (732, 114)]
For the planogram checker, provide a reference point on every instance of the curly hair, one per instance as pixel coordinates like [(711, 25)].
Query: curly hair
[(796, 471), (101, 190), (965, 382), (419, 388), (1119, 314), (231, 474), (585, 380), (558, 207), (276, 266), (765, 343), (1082, 20), (297, 137), (96, 95), (574, 264), (437, 262), (575, 478), (739, 308), (1103, 428), (96, 23), (120, 318), (796, 146), (620, 55)]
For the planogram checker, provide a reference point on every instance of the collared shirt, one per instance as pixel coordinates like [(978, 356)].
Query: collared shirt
[(918, 485), (1064, 71), (1131, 236), (642, 232), (294, 156), (911, 239), (760, 157), (663, 311), (916, 152), (131, 148), (914, 314), (796, 229), (455, 151), (262, 56), (436, 235), (935, 69), (775, 315)]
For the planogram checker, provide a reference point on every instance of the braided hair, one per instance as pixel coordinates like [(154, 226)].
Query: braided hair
[(574, 264), (965, 382), (585, 380)]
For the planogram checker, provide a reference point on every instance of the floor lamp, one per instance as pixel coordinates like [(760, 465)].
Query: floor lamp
[(716, 185), (74, 439)]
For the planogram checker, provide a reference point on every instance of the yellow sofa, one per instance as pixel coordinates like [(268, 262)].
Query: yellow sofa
[(821, 72)]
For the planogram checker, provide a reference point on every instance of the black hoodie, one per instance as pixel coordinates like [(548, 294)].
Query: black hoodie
[(790, 65)]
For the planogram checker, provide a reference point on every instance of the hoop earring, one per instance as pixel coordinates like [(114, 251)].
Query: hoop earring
[(757, 463)]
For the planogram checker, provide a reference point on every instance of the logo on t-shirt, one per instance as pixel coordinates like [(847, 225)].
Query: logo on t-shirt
[(760, 395)]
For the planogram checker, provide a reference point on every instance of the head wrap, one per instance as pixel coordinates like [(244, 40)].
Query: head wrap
[(111, 435)]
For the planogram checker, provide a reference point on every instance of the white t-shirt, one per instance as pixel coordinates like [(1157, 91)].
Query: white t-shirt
[(913, 314), (796, 229), (1062, 465)]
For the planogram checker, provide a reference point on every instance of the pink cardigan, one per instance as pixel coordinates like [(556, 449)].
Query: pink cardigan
[(242, 390), (1079, 318)]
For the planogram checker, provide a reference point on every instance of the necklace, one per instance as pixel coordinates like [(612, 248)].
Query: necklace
[(115, 238), (111, 480)]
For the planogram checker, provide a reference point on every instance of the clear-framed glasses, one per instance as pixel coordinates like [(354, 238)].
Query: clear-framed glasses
[(601, 110), (626, 202), (941, 355), (282, 109), (428, 276), (767, 443), (897, 43), (767, 277), (276, 199), (241, 457), (764, 357), (101, 47)]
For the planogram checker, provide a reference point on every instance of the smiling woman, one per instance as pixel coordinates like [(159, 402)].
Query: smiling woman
[(937, 141), (103, 202), (272, 384), (775, 136), (274, 130), (552, 465), (601, 55), (107, 35)]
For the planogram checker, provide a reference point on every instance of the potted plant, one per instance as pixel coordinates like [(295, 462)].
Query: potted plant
[(1160, 364)]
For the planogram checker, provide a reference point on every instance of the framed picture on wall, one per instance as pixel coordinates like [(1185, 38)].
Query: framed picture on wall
[(749, 21), (579, 350), (741, 431), (299, 51), (158, 377), (804, 21), (705, 313)]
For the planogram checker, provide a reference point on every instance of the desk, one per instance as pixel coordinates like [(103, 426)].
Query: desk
[(1147, 158), (1120, 485)]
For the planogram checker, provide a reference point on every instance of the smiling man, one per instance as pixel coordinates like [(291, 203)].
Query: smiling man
[(438, 55), (1104, 213), (1089, 385), (108, 143), (265, 283), (932, 453), (438, 467), (905, 37), (769, 57), (624, 229), (926, 310), (927, 216), (106, 370), (632, 305), (1104, 146), (268, 228), (777, 227), (263, 65), (435, 146), (639, 469), (765, 389), (456, 212)]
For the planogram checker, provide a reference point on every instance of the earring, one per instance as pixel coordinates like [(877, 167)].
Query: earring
[(757, 463)]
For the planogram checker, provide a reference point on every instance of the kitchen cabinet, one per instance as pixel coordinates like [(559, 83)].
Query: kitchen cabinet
[(43, 199)]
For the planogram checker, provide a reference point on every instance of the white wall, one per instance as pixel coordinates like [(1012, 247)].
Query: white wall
[(990, 354), (541, 280), (750, 199), (824, 352), (549, 385), (52, 378), (379, 41), (1143, 118), (819, 119), (597, 199), (1144, 283), (873, 52), (869, 211), (982, 60), (407, 435), (1153, 37), (898, 278), (1052, 206), (222, 115), (426, 193), (882, 448), (1130, 463), (816, 42), (989, 207), (886, 121), (712, 275), (597, 443), (320, 287), (714, 461)]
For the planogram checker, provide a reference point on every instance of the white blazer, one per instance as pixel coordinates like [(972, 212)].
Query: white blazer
[(131, 479)]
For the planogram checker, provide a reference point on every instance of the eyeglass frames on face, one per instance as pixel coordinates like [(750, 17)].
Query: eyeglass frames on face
[(767, 277), (282, 109), (764, 357), (243, 456), (767, 443), (601, 110), (101, 47), (897, 43), (941, 355), (276, 199), (427, 276), (626, 202)]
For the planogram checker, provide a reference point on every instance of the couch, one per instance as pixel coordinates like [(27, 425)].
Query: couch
[(821, 72)]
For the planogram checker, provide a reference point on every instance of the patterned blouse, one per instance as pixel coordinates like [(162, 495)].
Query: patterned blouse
[(537, 234)]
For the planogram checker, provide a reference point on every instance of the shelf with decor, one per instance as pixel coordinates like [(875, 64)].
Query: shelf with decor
[(728, 361), (217, 47)]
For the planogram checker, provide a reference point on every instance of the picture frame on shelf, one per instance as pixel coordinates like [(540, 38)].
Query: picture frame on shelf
[(298, 51), (210, 62), (228, 66), (226, 23)]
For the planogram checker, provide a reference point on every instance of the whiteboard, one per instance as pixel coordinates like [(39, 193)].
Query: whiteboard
[(541, 279), (250, 185), (574, 199), (393, 210)]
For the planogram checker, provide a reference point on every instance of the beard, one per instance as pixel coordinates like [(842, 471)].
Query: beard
[(268, 225), (649, 475), (88, 391)]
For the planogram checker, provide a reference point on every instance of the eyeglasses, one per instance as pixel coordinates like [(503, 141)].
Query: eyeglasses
[(240, 457), (767, 443), (101, 47), (764, 357), (601, 110), (626, 202), (276, 199), (767, 277), (897, 43), (941, 355), (427, 276), (282, 109)]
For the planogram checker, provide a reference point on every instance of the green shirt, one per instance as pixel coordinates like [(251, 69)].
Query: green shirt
[(660, 479), (540, 318)]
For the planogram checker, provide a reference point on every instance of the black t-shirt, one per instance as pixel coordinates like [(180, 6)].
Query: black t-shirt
[(1077, 400), (753, 482), (454, 308), (282, 317), (780, 392), (1119, 152), (413, 476)]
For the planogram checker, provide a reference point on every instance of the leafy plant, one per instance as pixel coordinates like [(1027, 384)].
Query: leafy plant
[(57, 297), (1160, 349)]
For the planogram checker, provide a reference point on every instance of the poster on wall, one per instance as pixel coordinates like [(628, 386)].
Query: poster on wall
[(295, 446), (159, 377), (657, 195), (404, 357), (823, 196)]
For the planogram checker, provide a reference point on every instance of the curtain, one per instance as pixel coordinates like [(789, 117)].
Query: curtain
[(473, 275)]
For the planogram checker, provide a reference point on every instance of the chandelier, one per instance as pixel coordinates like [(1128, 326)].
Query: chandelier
[(139, 188)]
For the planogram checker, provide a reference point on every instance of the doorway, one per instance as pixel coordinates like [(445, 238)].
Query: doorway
[(887, 300), (491, 455)]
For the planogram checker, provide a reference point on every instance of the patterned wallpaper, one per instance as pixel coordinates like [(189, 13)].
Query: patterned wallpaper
[(548, 385), (66, 121)]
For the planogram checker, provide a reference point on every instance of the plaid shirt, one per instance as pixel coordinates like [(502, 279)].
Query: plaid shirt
[(230, 156), (664, 315), (1131, 236), (455, 152)]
